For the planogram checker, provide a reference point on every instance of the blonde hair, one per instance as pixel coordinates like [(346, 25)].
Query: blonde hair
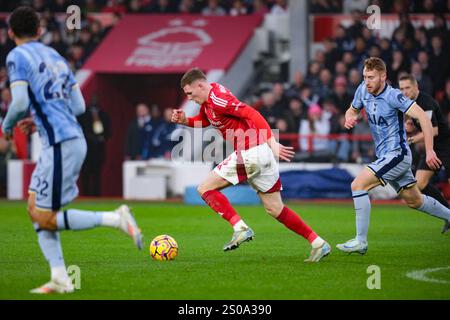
[(374, 63)]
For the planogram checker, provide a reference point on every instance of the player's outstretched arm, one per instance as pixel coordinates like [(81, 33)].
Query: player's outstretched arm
[(417, 113), (351, 117), (18, 108)]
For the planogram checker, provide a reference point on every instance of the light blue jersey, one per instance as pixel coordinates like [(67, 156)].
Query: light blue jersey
[(385, 113), (50, 83)]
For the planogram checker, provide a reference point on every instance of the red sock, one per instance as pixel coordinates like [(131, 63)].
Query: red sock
[(292, 221), (220, 204)]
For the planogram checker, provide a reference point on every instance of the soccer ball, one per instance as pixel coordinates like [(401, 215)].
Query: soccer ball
[(163, 247)]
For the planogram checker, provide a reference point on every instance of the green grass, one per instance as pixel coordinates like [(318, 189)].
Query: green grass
[(270, 267)]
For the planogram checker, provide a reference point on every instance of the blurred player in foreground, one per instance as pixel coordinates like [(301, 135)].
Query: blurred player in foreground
[(253, 160), (41, 82), (385, 107)]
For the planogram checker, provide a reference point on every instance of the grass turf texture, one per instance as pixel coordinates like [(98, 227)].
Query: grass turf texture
[(269, 267)]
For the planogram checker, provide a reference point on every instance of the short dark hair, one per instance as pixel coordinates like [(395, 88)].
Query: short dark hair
[(409, 77), (24, 22), (192, 75)]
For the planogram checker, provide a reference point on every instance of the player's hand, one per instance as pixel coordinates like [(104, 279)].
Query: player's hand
[(433, 161), (8, 135), (350, 122), (282, 152), (27, 126), (178, 116)]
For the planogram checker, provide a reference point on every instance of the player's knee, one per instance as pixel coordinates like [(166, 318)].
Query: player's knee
[(356, 185), (414, 203), (273, 209), (45, 220), (201, 189), (421, 185)]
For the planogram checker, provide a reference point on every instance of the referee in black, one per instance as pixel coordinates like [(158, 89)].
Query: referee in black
[(409, 87)]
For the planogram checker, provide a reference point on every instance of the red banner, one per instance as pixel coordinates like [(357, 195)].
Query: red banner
[(172, 44)]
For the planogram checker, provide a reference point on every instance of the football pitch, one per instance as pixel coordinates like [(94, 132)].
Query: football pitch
[(271, 266)]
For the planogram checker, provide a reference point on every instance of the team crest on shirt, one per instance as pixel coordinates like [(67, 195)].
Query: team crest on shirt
[(401, 98)]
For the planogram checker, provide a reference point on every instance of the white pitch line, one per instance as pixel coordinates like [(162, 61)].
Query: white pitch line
[(421, 275)]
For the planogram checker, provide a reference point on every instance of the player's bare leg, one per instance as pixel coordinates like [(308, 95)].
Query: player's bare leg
[(423, 182), (209, 191), (274, 206), (48, 224), (363, 182), (416, 200)]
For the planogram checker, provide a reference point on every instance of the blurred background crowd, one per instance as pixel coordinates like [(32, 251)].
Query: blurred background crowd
[(314, 103)]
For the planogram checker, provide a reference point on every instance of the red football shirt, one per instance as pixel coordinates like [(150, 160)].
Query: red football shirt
[(237, 121)]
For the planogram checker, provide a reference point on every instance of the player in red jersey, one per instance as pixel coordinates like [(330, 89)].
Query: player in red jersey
[(253, 160)]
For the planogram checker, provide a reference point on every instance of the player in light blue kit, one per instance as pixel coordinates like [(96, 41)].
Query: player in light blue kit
[(385, 107), (42, 82)]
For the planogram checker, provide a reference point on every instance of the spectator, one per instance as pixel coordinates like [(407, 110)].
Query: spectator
[(281, 103), (317, 123), (139, 134), (340, 96), (355, 80), (213, 9), (294, 114), (325, 89), (296, 85), (312, 78), (439, 63), (238, 8), (340, 69), (186, 7), (96, 128), (162, 141), (58, 43), (420, 37), (339, 147), (355, 30), (424, 81), (399, 64), (307, 96), (331, 53), (282, 126), (268, 110), (343, 41)]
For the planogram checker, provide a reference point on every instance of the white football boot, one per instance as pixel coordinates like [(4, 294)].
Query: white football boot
[(318, 253), (55, 286), (129, 226), (239, 237), (353, 245)]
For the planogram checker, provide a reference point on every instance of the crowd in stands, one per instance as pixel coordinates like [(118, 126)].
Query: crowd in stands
[(315, 102), (386, 6)]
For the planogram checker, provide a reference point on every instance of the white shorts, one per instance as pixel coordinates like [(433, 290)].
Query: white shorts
[(257, 165)]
